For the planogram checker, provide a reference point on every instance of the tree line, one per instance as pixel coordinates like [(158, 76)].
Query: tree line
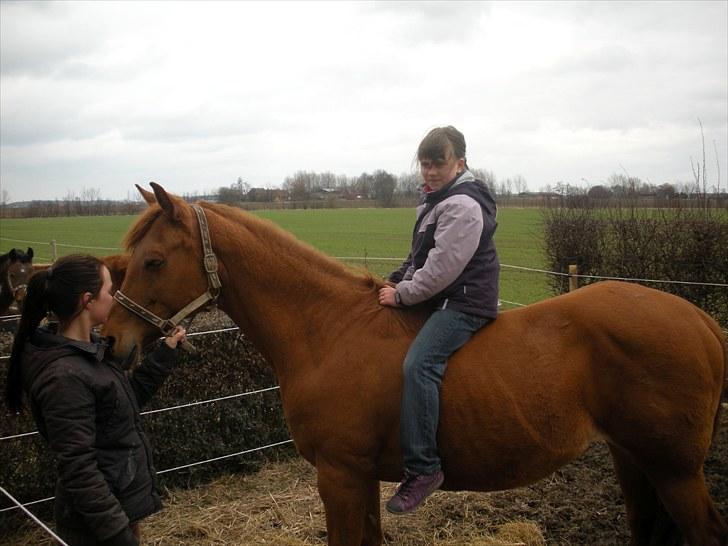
[(381, 188)]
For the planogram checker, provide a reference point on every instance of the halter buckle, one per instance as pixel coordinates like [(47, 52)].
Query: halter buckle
[(210, 262)]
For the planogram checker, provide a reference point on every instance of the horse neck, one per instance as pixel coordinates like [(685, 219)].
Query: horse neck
[(289, 299)]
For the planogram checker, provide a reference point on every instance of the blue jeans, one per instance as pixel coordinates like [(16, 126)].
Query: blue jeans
[(424, 367)]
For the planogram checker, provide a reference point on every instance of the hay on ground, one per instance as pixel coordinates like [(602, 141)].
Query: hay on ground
[(280, 506)]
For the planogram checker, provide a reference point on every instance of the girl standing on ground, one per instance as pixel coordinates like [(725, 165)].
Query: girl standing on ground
[(86, 405), (453, 266)]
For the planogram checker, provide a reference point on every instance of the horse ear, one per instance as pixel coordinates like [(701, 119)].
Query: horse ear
[(13, 254), (169, 205), (30, 253), (147, 195)]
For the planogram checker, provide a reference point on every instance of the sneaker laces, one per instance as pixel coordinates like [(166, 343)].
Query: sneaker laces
[(405, 487)]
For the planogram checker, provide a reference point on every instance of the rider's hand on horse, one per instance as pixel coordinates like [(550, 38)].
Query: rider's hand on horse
[(178, 336), (386, 296)]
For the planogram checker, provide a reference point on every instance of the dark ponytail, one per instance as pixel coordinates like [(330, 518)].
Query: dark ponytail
[(56, 290)]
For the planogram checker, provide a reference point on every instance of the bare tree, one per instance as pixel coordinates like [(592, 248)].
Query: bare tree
[(519, 184), (409, 183), (384, 184), (696, 169), (717, 169), (4, 198)]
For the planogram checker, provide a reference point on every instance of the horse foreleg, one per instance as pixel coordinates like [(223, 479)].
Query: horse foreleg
[(372, 517), (352, 508)]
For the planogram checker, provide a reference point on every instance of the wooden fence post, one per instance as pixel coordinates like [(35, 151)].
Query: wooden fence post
[(573, 279), (54, 251)]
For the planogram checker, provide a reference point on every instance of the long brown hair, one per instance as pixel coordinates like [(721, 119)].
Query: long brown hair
[(56, 290)]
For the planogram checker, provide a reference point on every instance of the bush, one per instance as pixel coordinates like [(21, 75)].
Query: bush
[(666, 244), (226, 364)]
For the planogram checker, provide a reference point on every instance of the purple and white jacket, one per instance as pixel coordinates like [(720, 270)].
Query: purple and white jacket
[(453, 263)]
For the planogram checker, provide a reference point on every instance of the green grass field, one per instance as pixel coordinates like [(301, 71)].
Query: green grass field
[(363, 235)]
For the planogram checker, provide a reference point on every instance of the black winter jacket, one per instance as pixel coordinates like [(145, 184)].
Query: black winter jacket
[(87, 409)]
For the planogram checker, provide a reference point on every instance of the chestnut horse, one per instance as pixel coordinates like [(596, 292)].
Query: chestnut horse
[(639, 368)]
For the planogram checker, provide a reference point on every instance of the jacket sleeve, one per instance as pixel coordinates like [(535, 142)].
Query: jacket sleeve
[(457, 236), (397, 275), (68, 406), (150, 375)]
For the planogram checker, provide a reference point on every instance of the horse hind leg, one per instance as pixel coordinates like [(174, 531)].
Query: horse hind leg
[(649, 522), (666, 507), (687, 500)]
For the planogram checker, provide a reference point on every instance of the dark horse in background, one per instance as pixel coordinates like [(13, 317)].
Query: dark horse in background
[(640, 369), (16, 267)]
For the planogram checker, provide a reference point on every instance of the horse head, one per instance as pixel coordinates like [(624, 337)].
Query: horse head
[(19, 270), (162, 271)]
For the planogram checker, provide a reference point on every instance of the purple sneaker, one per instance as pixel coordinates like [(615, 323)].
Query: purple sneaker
[(413, 490)]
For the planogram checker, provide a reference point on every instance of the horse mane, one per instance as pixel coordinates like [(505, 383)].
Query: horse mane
[(331, 273), (286, 243)]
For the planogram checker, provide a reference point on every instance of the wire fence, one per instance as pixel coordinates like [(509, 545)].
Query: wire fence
[(394, 259)]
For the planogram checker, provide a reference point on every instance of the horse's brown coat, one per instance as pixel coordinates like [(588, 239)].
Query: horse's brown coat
[(640, 368)]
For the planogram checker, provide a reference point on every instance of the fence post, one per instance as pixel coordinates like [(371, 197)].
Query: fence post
[(54, 251), (573, 279)]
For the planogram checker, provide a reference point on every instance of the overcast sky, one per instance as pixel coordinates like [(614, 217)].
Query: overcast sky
[(104, 95)]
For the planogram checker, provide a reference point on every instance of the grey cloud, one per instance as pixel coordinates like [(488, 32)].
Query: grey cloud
[(218, 121), (605, 59), (37, 37), (72, 69)]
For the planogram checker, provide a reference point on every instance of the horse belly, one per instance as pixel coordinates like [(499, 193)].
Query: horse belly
[(493, 437)]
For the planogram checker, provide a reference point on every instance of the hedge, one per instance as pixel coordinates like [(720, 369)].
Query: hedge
[(665, 244)]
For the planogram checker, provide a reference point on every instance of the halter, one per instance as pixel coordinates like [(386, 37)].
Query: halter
[(209, 262), (17, 288)]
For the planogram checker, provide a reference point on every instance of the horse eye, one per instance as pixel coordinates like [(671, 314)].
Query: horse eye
[(153, 263)]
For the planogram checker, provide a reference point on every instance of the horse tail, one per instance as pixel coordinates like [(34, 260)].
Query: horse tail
[(722, 339), (724, 391)]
